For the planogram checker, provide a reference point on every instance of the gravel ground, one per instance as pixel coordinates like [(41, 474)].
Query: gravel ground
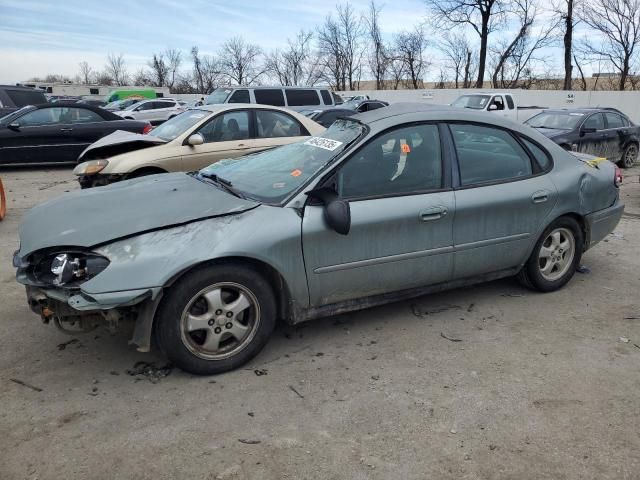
[(534, 386)]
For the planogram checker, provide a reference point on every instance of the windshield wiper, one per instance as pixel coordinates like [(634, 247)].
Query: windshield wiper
[(222, 182)]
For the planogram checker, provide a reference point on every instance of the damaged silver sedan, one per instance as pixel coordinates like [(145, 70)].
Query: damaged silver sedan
[(386, 205)]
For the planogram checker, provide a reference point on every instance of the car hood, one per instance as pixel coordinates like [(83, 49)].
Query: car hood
[(86, 218), (551, 132), (118, 142)]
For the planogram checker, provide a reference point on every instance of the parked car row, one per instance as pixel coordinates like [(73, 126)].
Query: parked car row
[(384, 205)]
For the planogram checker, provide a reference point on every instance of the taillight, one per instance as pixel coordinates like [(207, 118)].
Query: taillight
[(148, 127), (617, 179)]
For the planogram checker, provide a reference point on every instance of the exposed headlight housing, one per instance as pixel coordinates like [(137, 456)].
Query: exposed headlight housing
[(69, 269), (91, 167)]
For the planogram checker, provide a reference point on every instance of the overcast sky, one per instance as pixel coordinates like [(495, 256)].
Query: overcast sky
[(38, 37)]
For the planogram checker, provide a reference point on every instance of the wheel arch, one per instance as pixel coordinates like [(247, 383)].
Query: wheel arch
[(579, 219), (276, 280), (147, 170)]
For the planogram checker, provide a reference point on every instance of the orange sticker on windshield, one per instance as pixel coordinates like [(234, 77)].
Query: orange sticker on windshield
[(296, 173), (405, 148)]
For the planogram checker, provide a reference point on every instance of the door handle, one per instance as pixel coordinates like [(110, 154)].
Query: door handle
[(66, 129), (434, 213), (539, 197)]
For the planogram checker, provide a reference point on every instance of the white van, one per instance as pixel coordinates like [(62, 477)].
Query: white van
[(294, 98)]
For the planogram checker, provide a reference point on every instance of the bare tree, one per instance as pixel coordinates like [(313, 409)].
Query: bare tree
[(159, 70), (174, 60), (141, 78), (565, 10), (339, 45), (378, 57), (240, 61), (584, 82), (351, 43), (86, 72), (330, 50), (103, 78), (207, 73), (482, 16), (618, 23), (410, 47), (514, 57), (296, 64), (117, 69), (396, 68), (457, 55)]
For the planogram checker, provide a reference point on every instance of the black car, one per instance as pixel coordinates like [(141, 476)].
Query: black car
[(13, 97), (57, 132), (328, 116), (365, 105), (605, 132)]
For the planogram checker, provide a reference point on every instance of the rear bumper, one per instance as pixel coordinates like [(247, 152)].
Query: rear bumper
[(603, 222)]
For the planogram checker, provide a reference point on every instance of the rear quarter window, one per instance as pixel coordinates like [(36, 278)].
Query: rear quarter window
[(542, 158)]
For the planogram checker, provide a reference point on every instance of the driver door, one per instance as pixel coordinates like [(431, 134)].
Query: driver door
[(401, 221), (227, 135)]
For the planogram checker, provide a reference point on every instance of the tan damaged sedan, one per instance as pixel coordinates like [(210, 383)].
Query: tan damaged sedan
[(192, 140)]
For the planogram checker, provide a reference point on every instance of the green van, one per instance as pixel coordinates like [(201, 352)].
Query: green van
[(123, 93)]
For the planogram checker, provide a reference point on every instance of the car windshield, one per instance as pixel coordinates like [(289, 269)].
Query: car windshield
[(559, 120), (273, 175), (219, 95), (176, 126), (476, 102), (115, 104)]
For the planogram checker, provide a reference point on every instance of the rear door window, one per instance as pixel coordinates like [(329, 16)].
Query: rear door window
[(542, 158), (240, 96), (83, 115), (488, 155), (300, 97), (165, 104), (226, 127), (614, 120), (276, 124), (269, 96)]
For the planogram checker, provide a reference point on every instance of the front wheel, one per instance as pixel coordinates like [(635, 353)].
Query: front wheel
[(555, 257), (629, 156), (215, 319)]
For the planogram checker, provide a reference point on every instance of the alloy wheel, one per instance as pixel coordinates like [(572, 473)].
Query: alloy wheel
[(220, 320), (556, 254)]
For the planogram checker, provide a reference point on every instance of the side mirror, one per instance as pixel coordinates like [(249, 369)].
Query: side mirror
[(585, 130), (337, 212), (492, 107), (195, 139), (14, 126)]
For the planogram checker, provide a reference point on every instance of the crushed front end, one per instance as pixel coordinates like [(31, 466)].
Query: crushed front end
[(53, 279)]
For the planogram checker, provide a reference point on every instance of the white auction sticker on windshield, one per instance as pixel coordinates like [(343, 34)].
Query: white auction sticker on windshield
[(325, 143)]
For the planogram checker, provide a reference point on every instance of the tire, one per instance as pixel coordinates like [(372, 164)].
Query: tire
[(216, 319), (629, 156), (555, 257), (3, 201)]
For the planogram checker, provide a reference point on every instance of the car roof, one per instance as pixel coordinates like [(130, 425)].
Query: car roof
[(584, 110), (72, 103), (383, 118), (218, 107)]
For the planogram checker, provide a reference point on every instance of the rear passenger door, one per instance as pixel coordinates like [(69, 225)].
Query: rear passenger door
[(276, 128), (593, 138), (503, 198)]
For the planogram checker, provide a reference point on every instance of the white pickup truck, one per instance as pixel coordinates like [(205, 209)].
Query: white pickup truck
[(498, 103)]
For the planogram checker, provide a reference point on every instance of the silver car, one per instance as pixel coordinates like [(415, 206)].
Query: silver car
[(153, 111), (386, 205)]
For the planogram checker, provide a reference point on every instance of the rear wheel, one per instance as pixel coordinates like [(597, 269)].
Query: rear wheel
[(555, 256), (216, 319), (629, 156)]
